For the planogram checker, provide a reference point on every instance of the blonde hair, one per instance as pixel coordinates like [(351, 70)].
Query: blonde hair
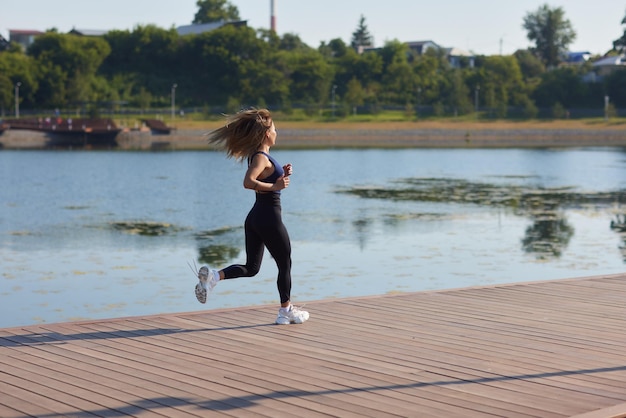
[(243, 133)]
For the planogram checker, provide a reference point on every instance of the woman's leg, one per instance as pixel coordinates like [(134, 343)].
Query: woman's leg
[(278, 244), (254, 254)]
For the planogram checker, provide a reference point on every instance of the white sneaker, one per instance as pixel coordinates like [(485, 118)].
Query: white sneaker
[(292, 316), (206, 284)]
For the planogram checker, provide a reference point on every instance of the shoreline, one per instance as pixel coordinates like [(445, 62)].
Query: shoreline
[(295, 135), (362, 136)]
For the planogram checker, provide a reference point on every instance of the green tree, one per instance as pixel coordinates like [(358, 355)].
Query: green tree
[(67, 66), (355, 95), (310, 77), (144, 99), (348, 65), (615, 83), (398, 80), (529, 64), (551, 32), (361, 36), (292, 42), (215, 11), (505, 74), (232, 62), (431, 70), (6, 94), (563, 86), (147, 57), (335, 48), (620, 44), (15, 67), (457, 93)]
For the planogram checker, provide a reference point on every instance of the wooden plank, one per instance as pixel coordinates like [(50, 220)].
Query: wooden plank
[(549, 349), (616, 411)]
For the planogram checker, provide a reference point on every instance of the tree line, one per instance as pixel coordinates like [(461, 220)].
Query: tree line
[(236, 66)]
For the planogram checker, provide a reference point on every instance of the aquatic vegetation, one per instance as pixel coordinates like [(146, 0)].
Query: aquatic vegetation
[(446, 190), (76, 207), (145, 228), (550, 231), (217, 232)]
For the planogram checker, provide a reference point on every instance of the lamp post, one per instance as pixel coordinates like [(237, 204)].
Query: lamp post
[(476, 99), (419, 100), (334, 87), (17, 99), (174, 100)]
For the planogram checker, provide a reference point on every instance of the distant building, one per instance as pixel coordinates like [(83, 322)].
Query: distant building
[(4, 44), (420, 47), (22, 37), (456, 57), (607, 65), (459, 58), (88, 32), (196, 29), (577, 58)]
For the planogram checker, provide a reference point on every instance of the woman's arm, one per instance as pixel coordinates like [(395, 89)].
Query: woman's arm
[(261, 167)]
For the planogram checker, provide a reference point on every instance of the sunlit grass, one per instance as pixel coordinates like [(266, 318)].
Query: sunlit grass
[(401, 120)]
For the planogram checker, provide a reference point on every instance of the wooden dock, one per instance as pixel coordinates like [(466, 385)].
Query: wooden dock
[(541, 349)]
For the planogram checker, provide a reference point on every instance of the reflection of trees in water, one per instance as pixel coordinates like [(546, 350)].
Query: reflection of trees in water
[(361, 227), (550, 232), (547, 236), (619, 226), (622, 248), (217, 254), (145, 228)]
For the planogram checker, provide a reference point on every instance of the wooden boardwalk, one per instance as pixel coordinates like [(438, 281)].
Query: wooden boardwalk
[(542, 349)]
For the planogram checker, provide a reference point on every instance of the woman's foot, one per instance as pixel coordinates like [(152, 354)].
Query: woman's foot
[(291, 315), (208, 279)]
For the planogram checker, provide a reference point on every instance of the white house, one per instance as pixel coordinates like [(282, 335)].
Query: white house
[(88, 32), (196, 29), (456, 57), (607, 65)]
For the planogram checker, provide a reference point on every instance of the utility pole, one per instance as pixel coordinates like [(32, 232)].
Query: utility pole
[(174, 101), (17, 99), (476, 99)]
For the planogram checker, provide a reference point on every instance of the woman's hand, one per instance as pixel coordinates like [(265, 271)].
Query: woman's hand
[(281, 183), (288, 169)]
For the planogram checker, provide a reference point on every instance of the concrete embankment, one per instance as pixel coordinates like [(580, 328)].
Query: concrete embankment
[(426, 138), (337, 138)]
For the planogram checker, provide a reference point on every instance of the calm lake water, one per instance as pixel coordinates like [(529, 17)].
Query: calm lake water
[(108, 234)]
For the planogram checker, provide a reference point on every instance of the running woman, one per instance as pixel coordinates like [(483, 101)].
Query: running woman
[(249, 135)]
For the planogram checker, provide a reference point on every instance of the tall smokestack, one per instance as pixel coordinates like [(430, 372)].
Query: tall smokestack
[(273, 15)]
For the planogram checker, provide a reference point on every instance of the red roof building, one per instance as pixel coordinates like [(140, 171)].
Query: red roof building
[(23, 37)]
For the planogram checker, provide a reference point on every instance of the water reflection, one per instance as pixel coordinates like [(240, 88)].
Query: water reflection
[(547, 236), (145, 228), (619, 225), (217, 255), (219, 246)]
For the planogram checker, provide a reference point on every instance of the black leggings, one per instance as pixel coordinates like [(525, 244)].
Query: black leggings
[(264, 228)]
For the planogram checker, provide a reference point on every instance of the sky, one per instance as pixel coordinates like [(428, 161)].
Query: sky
[(484, 27)]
